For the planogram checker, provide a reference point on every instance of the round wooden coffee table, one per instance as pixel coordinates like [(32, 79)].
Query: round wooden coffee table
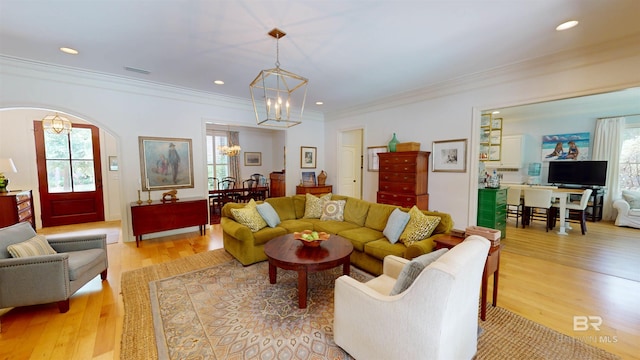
[(287, 253)]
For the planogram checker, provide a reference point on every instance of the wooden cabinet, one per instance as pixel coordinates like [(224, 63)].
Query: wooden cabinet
[(403, 179), (15, 207), (314, 190), (277, 184), (161, 216), (513, 151), (492, 209)]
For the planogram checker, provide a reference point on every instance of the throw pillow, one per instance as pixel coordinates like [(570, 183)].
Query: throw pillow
[(333, 210), (420, 226), (269, 214), (313, 205), (35, 246), (249, 216), (395, 225), (412, 269), (632, 197)]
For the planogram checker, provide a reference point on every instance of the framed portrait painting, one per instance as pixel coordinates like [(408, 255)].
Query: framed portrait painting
[(165, 163), (252, 159), (450, 155), (308, 157)]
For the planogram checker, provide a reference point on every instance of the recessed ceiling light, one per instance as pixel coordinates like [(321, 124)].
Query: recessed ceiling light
[(567, 25), (68, 50), (218, 82), (319, 103), (496, 112)]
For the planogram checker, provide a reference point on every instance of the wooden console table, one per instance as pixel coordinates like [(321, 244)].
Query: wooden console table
[(491, 266), (161, 216), (314, 190)]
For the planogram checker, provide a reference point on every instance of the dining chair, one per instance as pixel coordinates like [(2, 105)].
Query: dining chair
[(537, 202), (228, 184), (214, 198), (515, 204), (578, 207)]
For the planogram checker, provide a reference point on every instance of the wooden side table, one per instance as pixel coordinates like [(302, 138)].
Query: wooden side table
[(491, 267)]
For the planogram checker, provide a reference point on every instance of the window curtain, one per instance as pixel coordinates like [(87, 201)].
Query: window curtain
[(234, 161), (607, 145)]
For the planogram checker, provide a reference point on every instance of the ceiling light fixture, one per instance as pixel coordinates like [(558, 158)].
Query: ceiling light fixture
[(56, 124), (218, 82), (230, 150), (274, 92), (567, 25), (68, 50)]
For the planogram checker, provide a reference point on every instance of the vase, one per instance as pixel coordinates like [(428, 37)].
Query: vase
[(322, 178), (392, 144)]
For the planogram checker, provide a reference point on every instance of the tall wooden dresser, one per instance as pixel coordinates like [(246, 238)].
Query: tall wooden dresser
[(492, 209), (403, 179), (15, 207), (277, 184)]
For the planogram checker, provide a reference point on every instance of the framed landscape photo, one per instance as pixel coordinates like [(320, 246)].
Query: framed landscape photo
[(308, 157), (165, 163), (373, 161), (252, 159), (450, 155), (308, 178)]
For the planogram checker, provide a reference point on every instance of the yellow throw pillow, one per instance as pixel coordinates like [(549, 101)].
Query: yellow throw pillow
[(249, 216), (420, 226), (35, 246), (313, 205)]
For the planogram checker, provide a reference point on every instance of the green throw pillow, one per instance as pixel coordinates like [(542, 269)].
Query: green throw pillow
[(35, 246)]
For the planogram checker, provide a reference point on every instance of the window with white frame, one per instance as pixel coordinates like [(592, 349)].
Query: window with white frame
[(630, 158), (217, 163)]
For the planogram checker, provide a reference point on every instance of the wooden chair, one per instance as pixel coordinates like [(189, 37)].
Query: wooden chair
[(515, 204), (537, 199), (249, 187), (575, 208), (228, 183)]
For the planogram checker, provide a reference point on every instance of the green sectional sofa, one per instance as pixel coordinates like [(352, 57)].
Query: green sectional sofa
[(363, 225)]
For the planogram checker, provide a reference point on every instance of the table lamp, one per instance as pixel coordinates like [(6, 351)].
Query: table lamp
[(6, 165)]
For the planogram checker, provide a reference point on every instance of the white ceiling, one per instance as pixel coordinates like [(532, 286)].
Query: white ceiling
[(352, 51)]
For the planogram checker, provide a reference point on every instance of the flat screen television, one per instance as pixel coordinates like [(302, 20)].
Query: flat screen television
[(591, 173)]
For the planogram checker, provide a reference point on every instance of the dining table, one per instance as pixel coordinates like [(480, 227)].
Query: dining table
[(561, 194)]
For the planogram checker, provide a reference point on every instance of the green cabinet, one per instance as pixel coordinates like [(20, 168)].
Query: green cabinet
[(492, 209)]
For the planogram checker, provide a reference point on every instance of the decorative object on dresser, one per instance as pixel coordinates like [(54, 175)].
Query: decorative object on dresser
[(15, 207), (165, 163), (162, 216), (408, 146), (6, 165), (392, 144), (277, 184), (492, 209), (322, 178), (403, 179), (450, 155), (308, 157), (171, 195), (308, 178)]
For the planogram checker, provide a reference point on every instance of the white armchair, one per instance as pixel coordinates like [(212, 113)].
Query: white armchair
[(435, 318), (626, 215)]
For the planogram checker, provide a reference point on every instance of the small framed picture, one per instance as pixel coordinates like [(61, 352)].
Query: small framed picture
[(373, 161), (113, 163), (450, 155), (252, 159), (308, 157), (308, 178)]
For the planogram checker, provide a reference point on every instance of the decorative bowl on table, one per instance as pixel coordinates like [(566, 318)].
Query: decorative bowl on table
[(311, 238)]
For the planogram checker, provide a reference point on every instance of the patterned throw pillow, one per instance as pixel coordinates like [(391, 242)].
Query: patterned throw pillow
[(249, 216), (420, 226), (333, 210), (313, 205), (395, 225), (35, 246)]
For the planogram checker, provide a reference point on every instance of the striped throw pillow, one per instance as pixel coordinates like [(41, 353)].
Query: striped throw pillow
[(35, 246)]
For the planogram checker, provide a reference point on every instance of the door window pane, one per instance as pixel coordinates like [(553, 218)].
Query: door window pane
[(59, 176), (83, 178), (69, 160)]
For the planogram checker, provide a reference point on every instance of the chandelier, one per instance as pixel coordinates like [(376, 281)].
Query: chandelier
[(231, 150), (56, 124), (273, 93)]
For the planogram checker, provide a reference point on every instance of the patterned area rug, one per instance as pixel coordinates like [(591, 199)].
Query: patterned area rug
[(233, 312)]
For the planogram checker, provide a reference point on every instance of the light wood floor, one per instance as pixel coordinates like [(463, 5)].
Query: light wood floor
[(530, 285)]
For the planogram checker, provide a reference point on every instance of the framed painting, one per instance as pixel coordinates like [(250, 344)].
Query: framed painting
[(373, 161), (450, 155), (252, 159), (308, 157), (308, 178), (573, 146), (165, 163), (113, 163)]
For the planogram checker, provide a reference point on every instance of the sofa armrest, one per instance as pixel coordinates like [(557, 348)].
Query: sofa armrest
[(79, 242), (392, 265), (622, 205), (34, 280), (236, 230)]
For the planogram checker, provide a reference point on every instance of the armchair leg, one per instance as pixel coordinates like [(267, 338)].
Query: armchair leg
[(103, 275), (63, 306)]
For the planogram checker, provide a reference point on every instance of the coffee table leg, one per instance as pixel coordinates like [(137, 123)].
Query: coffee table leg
[(302, 289), (272, 273), (346, 267)]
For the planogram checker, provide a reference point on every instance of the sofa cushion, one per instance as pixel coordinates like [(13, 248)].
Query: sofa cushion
[(333, 227), (412, 269), (446, 221), (296, 225), (378, 215), (269, 214), (395, 225), (355, 211), (359, 236), (632, 197), (36, 246), (313, 205), (333, 210), (382, 247), (83, 260), (249, 216), (14, 234), (299, 204), (263, 236), (284, 207), (420, 226)]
